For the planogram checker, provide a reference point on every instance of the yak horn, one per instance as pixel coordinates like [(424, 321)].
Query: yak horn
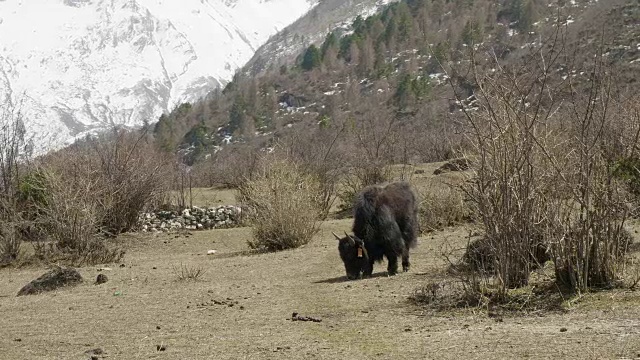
[(351, 241), (336, 235)]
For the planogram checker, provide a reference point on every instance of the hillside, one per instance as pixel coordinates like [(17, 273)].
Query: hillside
[(384, 75), (79, 66), (327, 16)]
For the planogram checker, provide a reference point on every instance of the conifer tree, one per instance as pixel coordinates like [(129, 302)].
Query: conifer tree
[(311, 58)]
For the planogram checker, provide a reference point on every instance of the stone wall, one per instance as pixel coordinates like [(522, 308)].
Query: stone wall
[(195, 218)]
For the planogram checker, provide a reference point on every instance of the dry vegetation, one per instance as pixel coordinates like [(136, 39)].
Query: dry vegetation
[(544, 168), (285, 205), (69, 204)]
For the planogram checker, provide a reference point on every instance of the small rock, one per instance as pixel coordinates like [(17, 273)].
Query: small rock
[(101, 279), (563, 329), (122, 265), (161, 347), (17, 340), (96, 351), (158, 327)]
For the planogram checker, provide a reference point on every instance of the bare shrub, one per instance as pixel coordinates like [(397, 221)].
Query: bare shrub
[(480, 256), (232, 166), (120, 172), (131, 175), (544, 168), (72, 219), (442, 205), (286, 203), (95, 189), (10, 243), (184, 272), (591, 238), (511, 173), (14, 154), (320, 152), (375, 140)]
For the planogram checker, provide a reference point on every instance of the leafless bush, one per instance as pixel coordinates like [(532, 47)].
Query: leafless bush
[(14, 153), (10, 243), (71, 218), (374, 142), (94, 189), (590, 238), (232, 166), (543, 166), (442, 205), (131, 174), (320, 152), (287, 204), (508, 190)]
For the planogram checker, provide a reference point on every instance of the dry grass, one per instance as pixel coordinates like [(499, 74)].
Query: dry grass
[(184, 272)]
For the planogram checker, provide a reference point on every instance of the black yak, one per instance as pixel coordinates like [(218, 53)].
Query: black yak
[(385, 224)]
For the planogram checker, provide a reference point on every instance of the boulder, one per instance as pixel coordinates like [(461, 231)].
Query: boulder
[(56, 278)]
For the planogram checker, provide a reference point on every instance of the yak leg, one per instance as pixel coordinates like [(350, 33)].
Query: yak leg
[(392, 267), (368, 268), (405, 261)]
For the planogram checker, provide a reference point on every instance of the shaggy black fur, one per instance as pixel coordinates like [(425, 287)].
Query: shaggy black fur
[(385, 224)]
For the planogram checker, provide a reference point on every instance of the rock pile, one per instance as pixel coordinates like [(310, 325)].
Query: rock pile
[(195, 218)]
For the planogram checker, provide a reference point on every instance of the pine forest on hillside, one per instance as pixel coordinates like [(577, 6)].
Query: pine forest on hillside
[(404, 72)]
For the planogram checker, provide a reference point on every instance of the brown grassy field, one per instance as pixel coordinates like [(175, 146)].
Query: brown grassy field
[(241, 308)]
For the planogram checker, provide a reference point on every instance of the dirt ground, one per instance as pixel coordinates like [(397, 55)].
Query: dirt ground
[(242, 305), (145, 305)]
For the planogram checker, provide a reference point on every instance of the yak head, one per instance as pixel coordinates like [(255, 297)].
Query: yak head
[(353, 254)]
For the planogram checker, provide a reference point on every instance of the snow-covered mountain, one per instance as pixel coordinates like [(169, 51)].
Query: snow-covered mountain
[(79, 66)]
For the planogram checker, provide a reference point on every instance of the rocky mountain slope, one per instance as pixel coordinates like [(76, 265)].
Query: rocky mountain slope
[(78, 66)]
